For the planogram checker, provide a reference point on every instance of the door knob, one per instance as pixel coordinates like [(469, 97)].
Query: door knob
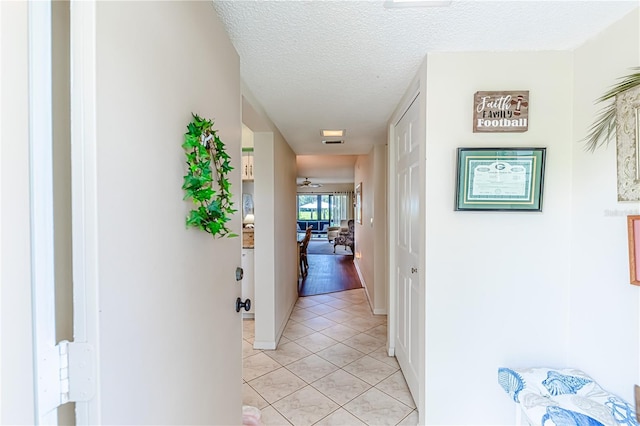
[(240, 304)]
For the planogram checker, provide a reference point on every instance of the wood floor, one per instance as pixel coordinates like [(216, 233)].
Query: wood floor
[(328, 274)]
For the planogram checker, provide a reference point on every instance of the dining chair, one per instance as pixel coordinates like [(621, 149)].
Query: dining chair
[(304, 263)]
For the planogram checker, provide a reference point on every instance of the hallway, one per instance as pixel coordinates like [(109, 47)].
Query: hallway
[(330, 368), (328, 274)]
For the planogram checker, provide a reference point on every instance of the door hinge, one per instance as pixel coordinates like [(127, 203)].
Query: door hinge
[(77, 371)]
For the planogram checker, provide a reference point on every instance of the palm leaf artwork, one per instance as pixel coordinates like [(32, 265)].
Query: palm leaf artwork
[(604, 128)]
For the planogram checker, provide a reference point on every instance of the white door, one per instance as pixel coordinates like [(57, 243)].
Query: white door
[(153, 300), (407, 247), (248, 280)]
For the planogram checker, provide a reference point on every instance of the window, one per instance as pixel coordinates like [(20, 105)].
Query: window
[(314, 207), (330, 208)]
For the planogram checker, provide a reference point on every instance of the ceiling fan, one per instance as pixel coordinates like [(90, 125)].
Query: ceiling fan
[(306, 183)]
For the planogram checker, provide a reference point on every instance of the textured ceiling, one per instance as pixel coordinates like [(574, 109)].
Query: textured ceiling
[(345, 64)]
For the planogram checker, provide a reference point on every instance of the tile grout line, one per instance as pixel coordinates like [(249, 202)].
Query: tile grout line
[(303, 312)]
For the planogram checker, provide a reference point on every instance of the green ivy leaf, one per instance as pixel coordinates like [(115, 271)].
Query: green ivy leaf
[(226, 166), (204, 194), (194, 218), (190, 141), (206, 164), (214, 227)]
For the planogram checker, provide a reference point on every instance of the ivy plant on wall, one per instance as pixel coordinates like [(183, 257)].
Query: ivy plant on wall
[(206, 182)]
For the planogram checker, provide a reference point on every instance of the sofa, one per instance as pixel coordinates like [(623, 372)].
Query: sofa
[(317, 226)]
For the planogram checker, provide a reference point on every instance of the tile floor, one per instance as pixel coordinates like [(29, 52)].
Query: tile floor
[(330, 368)]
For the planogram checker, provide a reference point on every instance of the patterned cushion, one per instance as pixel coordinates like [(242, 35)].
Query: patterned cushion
[(564, 397)]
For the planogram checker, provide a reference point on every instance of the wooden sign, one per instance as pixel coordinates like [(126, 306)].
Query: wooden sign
[(506, 111)]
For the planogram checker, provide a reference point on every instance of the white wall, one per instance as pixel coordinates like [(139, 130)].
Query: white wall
[(364, 236), (371, 244), (170, 340), (276, 265), (265, 280), (16, 349), (285, 236), (247, 137), (378, 223), (604, 308), (497, 284), (527, 289)]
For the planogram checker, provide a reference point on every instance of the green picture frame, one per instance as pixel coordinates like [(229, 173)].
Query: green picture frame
[(500, 179)]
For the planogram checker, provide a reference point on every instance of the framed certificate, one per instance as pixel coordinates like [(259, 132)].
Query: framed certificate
[(505, 179)]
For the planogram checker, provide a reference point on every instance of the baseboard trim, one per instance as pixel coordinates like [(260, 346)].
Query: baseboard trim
[(273, 344), (379, 311), (283, 325), (364, 284), (264, 345)]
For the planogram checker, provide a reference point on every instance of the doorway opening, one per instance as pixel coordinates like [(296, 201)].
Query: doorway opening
[(328, 273)]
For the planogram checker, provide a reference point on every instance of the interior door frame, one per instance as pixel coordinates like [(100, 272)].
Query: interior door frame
[(46, 358), (417, 89), (84, 204), (84, 192)]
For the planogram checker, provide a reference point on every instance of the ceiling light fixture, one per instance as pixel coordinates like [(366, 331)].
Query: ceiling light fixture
[(332, 133), (415, 3)]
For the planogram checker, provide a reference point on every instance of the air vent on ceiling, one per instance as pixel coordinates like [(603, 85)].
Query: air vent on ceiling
[(332, 142), (415, 3)]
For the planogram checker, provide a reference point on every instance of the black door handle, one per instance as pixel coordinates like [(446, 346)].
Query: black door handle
[(240, 304)]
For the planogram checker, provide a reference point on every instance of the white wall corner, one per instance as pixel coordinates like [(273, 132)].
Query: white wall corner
[(364, 285), (265, 345)]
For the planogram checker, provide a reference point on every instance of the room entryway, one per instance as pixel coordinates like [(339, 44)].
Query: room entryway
[(331, 367), (328, 272)]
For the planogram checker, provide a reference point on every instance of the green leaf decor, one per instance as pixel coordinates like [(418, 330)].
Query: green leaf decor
[(206, 182), (604, 127)]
